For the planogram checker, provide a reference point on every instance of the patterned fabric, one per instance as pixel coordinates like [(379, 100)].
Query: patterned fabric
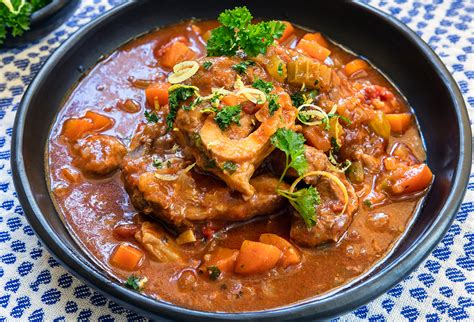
[(33, 286)]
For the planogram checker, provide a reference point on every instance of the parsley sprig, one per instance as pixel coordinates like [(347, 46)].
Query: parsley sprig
[(241, 67), (303, 200), (272, 99), (237, 32)]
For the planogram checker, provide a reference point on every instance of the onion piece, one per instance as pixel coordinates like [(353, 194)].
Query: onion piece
[(254, 95), (183, 71), (318, 112)]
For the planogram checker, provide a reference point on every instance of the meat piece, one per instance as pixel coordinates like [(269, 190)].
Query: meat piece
[(222, 75), (182, 197), (209, 145), (98, 154), (330, 224)]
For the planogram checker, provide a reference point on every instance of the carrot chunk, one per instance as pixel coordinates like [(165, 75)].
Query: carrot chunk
[(318, 38), (222, 258), (416, 178), (399, 122), (126, 257), (74, 129), (287, 32), (313, 49), (355, 66), (157, 92), (176, 53), (101, 122), (255, 257), (230, 100), (290, 256)]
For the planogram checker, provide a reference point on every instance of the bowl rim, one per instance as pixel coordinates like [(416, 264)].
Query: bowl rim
[(368, 290)]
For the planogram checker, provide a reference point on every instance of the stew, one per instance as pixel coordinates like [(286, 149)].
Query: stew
[(236, 165)]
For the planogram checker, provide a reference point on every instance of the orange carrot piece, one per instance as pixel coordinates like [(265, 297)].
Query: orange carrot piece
[(355, 66), (290, 256), (230, 100), (399, 122), (176, 53), (313, 49), (416, 178), (74, 129), (318, 38), (222, 258), (255, 257), (157, 92), (126, 257), (101, 122), (287, 32)]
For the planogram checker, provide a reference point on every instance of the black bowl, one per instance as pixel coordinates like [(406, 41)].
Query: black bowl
[(43, 22), (389, 44)]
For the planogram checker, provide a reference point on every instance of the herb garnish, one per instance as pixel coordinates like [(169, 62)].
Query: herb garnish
[(15, 16), (207, 65), (241, 67), (177, 94), (157, 163), (367, 203), (135, 283), (230, 167), (214, 272), (273, 103), (272, 99), (303, 200), (228, 115), (292, 144), (151, 117), (262, 85), (237, 32)]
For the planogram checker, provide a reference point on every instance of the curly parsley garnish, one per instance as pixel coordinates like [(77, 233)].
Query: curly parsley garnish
[(304, 200), (15, 16), (237, 32), (228, 115), (273, 103)]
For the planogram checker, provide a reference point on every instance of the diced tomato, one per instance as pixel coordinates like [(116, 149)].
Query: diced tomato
[(375, 91)]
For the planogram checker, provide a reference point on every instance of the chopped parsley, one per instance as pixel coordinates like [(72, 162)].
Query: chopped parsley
[(229, 167), (303, 97), (335, 145), (214, 272), (273, 105), (241, 67), (367, 203), (135, 283), (177, 94), (262, 85), (207, 65), (151, 117), (157, 163), (280, 69), (237, 32), (228, 115)]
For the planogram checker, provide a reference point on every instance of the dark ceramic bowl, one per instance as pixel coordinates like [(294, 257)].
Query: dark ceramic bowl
[(43, 22), (389, 44)]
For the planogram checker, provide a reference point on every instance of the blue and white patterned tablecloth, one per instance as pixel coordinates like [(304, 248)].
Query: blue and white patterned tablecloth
[(33, 286)]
